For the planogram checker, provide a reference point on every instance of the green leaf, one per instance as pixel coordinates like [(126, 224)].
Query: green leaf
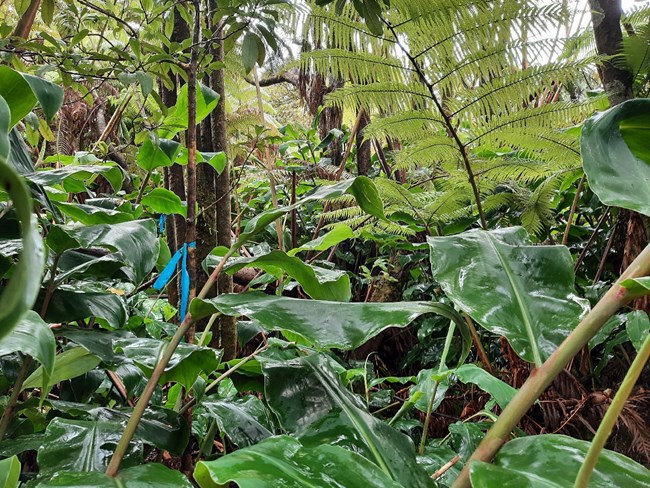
[(249, 51), (9, 472), (176, 120), (187, 362), (337, 235), (17, 93), (341, 325), (21, 92), (69, 364), (49, 95), (144, 476), (282, 462), (159, 427), (216, 160), (33, 337), (137, 241), (616, 157), (157, 153), (510, 287), (318, 283), (19, 294), (245, 421), (428, 381), (553, 461), (163, 201), (49, 177), (5, 119), (68, 305), (500, 391), (93, 215), (47, 11), (82, 445), (310, 401), (638, 328), (362, 188), (637, 287)]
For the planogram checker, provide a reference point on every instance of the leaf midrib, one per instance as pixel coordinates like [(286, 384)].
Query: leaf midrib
[(520, 302)]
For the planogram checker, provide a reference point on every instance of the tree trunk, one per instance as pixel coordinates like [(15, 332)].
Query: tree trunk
[(226, 339), (364, 163), (24, 25), (606, 20), (173, 176)]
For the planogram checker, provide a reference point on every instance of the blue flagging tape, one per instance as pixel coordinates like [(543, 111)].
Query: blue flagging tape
[(167, 273)]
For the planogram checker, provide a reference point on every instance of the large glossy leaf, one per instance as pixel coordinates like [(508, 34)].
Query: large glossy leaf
[(136, 241), (187, 362), (80, 264), (309, 400), (553, 461), (93, 215), (361, 187), (144, 476), (245, 420), (318, 283), (51, 177), (160, 427), (68, 305), (614, 147), (510, 287), (32, 336), (19, 294), (341, 325), (22, 91), (69, 364), (282, 462), (9, 472), (83, 445)]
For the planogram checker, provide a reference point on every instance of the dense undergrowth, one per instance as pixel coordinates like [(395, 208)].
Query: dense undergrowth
[(443, 257)]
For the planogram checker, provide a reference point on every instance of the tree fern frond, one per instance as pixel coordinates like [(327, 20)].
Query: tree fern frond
[(389, 97), (356, 67), (411, 125)]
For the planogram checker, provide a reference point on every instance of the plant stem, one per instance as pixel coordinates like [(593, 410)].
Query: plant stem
[(158, 371), (614, 410), (143, 186), (225, 375), (572, 212), (541, 378), (13, 399), (441, 366)]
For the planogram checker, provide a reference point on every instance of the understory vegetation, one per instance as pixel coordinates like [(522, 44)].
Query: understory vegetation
[(328, 243)]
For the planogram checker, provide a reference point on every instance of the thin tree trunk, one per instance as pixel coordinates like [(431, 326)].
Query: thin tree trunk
[(364, 163), (227, 337), (173, 176), (24, 25)]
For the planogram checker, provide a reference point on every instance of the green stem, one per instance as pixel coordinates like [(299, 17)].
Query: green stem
[(614, 410), (441, 366), (541, 377), (143, 186), (225, 375), (157, 373), (13, 399)]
